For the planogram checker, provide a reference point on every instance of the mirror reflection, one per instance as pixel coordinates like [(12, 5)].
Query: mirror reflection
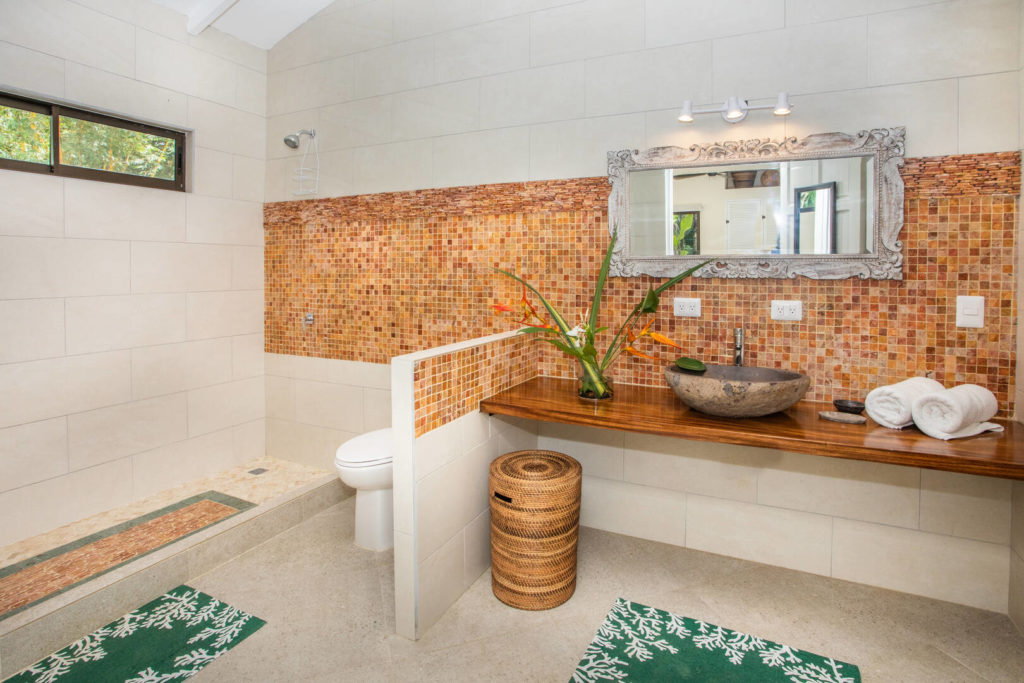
[(809, 206)]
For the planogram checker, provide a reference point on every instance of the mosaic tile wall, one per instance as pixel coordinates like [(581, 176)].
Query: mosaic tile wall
[(393, 273), (449, 386)]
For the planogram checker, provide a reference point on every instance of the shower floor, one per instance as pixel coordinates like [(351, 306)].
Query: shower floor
[(37, 568)]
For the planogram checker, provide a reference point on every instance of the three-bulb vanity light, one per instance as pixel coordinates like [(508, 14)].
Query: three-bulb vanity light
[(734, 110)]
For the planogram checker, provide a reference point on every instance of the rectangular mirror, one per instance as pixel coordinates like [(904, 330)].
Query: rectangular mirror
[(827, 206)]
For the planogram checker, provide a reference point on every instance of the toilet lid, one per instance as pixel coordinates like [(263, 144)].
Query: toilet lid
[(365, 450)]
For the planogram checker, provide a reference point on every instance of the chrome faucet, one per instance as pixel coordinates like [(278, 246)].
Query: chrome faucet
[(737, 358)]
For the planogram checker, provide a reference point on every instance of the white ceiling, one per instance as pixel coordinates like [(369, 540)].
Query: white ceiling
[(258, 22)]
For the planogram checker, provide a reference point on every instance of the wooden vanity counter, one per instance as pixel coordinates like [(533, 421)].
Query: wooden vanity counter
[(656, 410)]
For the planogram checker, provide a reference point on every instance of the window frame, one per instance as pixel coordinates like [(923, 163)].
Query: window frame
[(55, 167)]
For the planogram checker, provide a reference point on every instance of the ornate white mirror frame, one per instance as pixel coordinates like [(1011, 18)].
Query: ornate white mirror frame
[(884, 262)]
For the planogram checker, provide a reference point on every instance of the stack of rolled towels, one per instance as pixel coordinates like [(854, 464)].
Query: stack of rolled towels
[(938, 412)]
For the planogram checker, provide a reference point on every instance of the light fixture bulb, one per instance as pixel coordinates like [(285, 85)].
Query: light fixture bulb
[(686, 113), (782, 107), (733, 112)]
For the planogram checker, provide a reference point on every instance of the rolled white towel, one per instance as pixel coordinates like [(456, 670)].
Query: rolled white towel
[(957, 412), (892, 405)]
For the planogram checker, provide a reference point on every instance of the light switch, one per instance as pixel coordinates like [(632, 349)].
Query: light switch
[(970, 311)]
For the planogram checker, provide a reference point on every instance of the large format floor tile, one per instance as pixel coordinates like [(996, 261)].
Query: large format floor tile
[(329, 608)]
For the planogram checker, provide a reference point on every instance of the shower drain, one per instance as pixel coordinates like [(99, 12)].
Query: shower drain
[(258, 470)]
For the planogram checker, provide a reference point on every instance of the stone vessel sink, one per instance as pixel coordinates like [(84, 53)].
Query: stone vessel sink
[(738, 391)]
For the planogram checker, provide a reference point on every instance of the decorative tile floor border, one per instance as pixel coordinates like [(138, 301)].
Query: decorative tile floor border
[(37, 578)]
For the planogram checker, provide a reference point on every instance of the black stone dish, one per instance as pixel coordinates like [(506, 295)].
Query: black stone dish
[(846, 406)]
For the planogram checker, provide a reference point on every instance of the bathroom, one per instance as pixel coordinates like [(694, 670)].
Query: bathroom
[(149, 338)]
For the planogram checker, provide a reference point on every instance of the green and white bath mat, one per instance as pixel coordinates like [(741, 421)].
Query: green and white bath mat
[(168, 639), (641, 643)]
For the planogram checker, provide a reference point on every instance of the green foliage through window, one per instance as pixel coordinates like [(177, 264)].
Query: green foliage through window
[(24, 135), (88, 145), (118, 150)]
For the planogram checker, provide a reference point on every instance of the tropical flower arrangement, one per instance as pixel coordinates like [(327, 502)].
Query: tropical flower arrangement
[(579, 341)]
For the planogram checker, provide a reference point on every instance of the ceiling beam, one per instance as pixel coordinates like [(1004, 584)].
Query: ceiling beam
[(205, 13)]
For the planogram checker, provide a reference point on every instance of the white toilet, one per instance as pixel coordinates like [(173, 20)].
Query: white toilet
[(364, 463)]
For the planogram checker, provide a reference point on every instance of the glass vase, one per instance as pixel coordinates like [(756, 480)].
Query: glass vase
[(593, 384)]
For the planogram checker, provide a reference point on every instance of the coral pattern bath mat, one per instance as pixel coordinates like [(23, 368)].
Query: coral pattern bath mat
[(641, 643), (168, 639)]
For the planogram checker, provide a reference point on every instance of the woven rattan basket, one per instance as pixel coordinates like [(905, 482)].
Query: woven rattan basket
[(535, 515)]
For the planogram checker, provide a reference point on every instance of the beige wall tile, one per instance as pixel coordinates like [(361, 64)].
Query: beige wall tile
[(441, 581), (966, 505), (249, 441), (988, 113), (819, 58), (170, 368), (383, 70), (1016, 597), (580, 30), (31, 70), (213, 173), (98, 436), (224, 314), (376, 409), (490, 48), (311, 85), (1017, 518), (246, 267), (176, 66), (336, 406), (214, 220), (42, 389), (46, 505), (437, 448), (33, 452), (443, 109), (354, 373), (225, 405), (599, 451), (72, 32), (662, 19), (478, 548), (32, 268), (104, 323), (111, 211), (225, 128), (457, 159), (710, 469), (124, 96), (547, 93), (354, 124), (31, 329), (867, 491), (248, 178), (180, 267), (177, 463), (575, 149), (280, 397), (439, 514), (305, 444), (963, 39), (785, 538), (251, 90), (641, 511), (943, 567), (246, 356), (33, 204), (813, 11), (648, 79)]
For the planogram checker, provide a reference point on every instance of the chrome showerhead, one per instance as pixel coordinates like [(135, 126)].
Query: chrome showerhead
[(293, 139)]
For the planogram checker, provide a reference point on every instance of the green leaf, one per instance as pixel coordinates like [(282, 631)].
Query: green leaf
[(602, 277), (685, 274), (690, 364), (537, 330), (650, 302), (562, 346)]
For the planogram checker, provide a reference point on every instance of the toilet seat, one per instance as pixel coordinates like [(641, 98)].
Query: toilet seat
[(366, 450)]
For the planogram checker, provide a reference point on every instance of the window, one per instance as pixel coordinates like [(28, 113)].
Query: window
[(40, 137)]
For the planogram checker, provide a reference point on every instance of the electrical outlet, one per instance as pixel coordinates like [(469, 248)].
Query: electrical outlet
[(787, 310), (687, 308)]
